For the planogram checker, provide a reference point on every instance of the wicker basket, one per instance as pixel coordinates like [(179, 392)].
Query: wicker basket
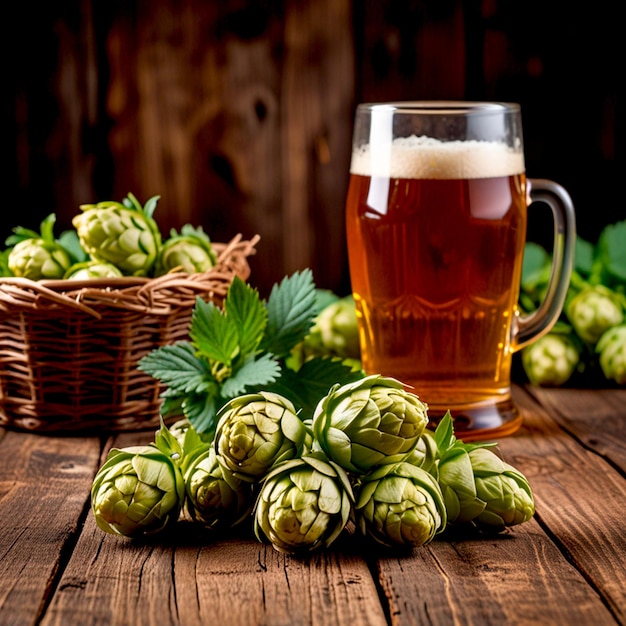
[(69, 349)]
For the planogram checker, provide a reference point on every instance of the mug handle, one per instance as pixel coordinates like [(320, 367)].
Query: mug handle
[(532, 326)]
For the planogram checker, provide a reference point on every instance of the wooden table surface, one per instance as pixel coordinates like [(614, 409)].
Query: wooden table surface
[(566, 566)]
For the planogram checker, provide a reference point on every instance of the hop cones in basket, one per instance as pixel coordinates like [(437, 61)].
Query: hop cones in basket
[(70, 346)]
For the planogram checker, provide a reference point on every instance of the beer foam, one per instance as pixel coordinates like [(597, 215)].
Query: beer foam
[(427, 158)]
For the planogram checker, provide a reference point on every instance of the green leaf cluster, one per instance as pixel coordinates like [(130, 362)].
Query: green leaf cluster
[(595, 303), (242, 347), (602, 263)]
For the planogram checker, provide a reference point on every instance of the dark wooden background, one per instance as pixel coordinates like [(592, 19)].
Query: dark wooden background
[(239, 114)]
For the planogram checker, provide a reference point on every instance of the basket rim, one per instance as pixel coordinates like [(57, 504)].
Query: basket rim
[(113, 282)]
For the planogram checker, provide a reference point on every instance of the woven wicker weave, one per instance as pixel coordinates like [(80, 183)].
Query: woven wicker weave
[(69, 349)]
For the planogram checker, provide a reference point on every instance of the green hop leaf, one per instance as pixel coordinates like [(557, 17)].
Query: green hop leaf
[(291, 311), (611, 254)]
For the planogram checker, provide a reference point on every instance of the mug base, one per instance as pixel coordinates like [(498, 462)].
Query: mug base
[(480, 422)]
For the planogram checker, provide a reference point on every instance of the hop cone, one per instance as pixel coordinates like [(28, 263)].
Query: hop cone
[(334, 332), (37, 260), (137, 491), (122, 234), (256, 431), (551, 360), (479, 488), (369, 422), (189, 439), (612, 350), (593, 310), (190, 251), (180, 429), (215, 497), (38, 256), (92, 269), (304, 504), (400, 505)]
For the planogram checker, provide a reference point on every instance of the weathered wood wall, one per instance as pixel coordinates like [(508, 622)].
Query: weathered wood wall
[(239, 113)]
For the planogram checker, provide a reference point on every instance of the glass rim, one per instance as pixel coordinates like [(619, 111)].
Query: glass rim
[(442, 107)]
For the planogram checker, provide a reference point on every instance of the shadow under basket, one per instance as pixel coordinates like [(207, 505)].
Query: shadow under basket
[(69, 350)]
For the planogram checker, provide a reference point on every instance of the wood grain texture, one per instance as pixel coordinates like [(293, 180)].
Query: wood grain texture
[(589, 544), (317, 104), (593, 417), (239, 114), (273, 588), (564, 567), (577, 491), (241, 120), (44, 488), (516, 578), (193, 578)]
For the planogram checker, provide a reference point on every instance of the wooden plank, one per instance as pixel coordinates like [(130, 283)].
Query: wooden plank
[(535, 573), (329, 587), (194, 103), (44, 489), (523, 575), (191, 577), (317, 111), (578, 494), (194, 579), (594, 416), (516, 578), (243, 126), (407, 51), (54, 134)]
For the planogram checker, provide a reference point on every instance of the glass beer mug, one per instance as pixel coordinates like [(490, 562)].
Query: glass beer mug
[(436, 219)]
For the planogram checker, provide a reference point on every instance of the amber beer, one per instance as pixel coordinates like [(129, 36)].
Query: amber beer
[(435, 243)]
